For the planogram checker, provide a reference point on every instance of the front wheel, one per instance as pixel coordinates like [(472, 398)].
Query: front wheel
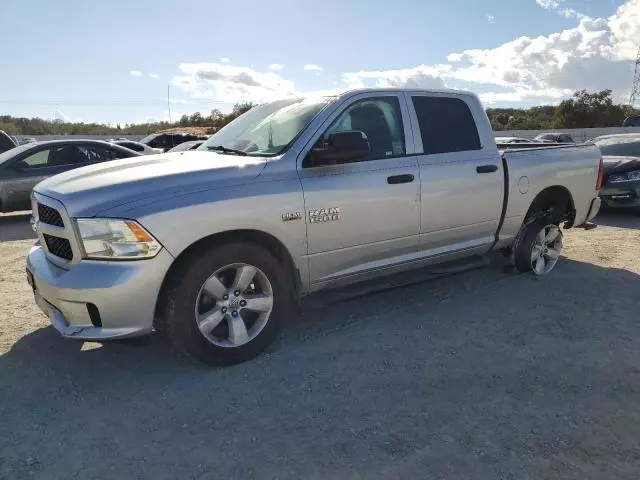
[(225, 304), (539, 248)]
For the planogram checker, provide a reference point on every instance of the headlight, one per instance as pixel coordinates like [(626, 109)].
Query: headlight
[(625, 177), (114, 239)]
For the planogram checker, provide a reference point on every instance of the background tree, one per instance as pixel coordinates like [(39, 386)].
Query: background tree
[(589, 110), (583, 110)]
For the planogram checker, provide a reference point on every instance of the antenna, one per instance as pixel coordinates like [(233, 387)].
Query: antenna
[(635, 87)]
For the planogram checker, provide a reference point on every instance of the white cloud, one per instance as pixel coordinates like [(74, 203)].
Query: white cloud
[(312, 67), (549, 4), (230, 83), (590, 55), (136, 73), (154, 75), (224, 60), (490, 18), (422, 76), (454, 57), (556, 5), (275, 67), (596, 54)]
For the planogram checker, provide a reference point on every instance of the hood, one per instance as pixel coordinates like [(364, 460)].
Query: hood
[(620, 164), (87, 191)]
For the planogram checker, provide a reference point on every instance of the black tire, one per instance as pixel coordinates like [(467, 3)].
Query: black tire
[(524, 245), (181, 295)]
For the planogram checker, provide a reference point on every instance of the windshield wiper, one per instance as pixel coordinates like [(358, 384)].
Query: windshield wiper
[(223, 149)]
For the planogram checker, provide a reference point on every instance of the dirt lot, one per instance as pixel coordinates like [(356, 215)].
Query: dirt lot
[(479, 375)]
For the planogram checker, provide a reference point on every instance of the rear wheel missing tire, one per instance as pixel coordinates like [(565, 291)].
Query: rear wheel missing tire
[(539, 248), (226, 304)]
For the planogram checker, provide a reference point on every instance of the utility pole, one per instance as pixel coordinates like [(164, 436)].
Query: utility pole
[(169, 100), (635, 87)]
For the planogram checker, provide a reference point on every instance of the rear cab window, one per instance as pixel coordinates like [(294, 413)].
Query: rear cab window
[(446, 125)]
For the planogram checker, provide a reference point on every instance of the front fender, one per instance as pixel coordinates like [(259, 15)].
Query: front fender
[(181, 221)]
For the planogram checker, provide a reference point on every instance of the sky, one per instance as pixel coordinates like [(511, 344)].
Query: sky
[(140, 60)]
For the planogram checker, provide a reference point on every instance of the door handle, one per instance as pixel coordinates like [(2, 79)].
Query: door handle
[(395, 179), (486, 168)]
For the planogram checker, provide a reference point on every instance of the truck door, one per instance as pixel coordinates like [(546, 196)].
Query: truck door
[(362, 215), (462, 183)]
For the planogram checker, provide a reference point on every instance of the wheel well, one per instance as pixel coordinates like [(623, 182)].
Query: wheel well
[(265, 240), (555, 204)]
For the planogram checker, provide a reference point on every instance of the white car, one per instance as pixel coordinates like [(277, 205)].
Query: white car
[(514, 140), (137, 147)]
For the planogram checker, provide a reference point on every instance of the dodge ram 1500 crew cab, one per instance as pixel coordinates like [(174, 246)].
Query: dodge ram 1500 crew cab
[(212, 246)]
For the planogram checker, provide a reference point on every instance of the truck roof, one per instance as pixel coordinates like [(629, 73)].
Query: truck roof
[(405, 89)]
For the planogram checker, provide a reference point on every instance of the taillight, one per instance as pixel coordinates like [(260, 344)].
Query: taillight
[(600, 175)]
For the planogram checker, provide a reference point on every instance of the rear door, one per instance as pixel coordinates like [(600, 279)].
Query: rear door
[(462, 183), (33, 167), (363, 215)]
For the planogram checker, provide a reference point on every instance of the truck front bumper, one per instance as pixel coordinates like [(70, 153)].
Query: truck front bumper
[(96, 300)]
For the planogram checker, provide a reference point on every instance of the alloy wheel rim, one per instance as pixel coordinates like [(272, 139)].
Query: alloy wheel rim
[(546, 249), (234, 305)]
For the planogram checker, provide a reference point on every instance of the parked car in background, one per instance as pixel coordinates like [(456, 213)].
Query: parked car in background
[(192, 145), (554, 137), (621, 181), (7, 142), (137, 146), (292, 197), (22, 167), (632, 121), (23, 140), (166, 141), (514, 140)]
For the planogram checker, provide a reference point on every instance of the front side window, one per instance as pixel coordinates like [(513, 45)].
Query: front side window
[(380, 119), (268, 129), (446, 125), (52, 157), (36, 160)]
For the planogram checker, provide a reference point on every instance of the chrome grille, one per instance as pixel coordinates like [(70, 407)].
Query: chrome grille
[(49, 215), (60, 247)]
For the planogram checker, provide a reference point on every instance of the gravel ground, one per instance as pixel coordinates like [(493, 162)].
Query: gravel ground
[(481, 375)]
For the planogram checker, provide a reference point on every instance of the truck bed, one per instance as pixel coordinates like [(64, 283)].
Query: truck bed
[(530, 170)]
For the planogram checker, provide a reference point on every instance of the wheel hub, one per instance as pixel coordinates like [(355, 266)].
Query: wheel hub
[(234, 305), (546, 249)]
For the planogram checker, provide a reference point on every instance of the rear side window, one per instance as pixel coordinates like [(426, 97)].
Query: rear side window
[(133, 146), (446, 125), (93, 153)]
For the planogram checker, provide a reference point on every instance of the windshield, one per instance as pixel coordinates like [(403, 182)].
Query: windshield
[(148, 138), (268, 129), (9, 154), (620, 146)]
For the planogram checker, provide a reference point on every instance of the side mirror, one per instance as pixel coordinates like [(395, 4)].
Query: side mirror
[(19, 166), (341, 147)]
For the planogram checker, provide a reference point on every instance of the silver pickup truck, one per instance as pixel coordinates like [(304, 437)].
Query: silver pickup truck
[(213, 246)]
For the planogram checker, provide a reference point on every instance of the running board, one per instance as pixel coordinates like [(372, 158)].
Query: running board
[(461, 265), (393, 282)]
